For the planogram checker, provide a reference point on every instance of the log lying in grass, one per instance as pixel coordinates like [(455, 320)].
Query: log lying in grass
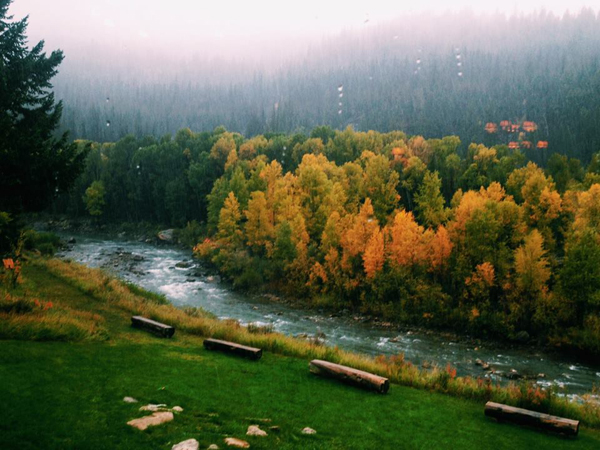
[(525, 417), (157, 328), (349, 375), (232, 347)]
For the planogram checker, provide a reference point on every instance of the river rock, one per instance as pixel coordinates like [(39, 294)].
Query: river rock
[(307, 430), (234, 442), (72, 241), (156, 418), (183, 265), (513, 375), (166, 235), (190, 444), (254, 430), (129, 400)]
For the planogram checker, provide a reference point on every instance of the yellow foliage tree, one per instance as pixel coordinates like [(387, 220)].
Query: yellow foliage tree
[(374, 255), (260, 229), (531, 266), (406, 247), (229, 220)]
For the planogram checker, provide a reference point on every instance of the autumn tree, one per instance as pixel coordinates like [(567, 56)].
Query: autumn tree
[(229, 220), (374, 255), (259, 223)]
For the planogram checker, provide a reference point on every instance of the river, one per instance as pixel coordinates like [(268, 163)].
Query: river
[(156, 268)]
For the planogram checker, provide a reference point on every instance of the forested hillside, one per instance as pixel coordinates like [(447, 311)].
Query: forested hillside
[(403, 227), (429, 75)]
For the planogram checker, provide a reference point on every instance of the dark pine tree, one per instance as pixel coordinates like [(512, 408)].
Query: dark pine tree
[(34, 163)]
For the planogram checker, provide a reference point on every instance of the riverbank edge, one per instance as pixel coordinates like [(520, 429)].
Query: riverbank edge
[(149, 233), (109, 289)]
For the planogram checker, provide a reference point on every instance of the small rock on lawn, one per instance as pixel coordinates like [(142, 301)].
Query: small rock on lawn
[(129, 400), (190, 444), (233, 442), (254, 430), (155, 419), (308, 430)]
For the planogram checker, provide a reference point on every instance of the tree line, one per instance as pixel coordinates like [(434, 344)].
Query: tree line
[(395, 225)]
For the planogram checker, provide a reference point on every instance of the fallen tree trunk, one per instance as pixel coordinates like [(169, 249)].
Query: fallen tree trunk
[(157, 328), (349, 375), (525, 417), (232, 347)]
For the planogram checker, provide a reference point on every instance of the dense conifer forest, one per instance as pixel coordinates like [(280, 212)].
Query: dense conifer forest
[(430, 75)]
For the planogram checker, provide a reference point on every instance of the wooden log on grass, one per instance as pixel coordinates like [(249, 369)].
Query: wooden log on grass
[(349, 375), (232, 347), (531, 418), (154, 327)]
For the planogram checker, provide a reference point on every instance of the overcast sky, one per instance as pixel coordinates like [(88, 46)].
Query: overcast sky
[(178, 23)]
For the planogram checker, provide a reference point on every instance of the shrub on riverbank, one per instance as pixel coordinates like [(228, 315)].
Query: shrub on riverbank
[(117, 294)]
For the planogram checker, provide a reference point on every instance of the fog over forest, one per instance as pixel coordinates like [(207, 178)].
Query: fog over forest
[(148, 69)]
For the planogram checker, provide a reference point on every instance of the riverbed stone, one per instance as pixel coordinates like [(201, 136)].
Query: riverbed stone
[(155, 419), (190, 444)]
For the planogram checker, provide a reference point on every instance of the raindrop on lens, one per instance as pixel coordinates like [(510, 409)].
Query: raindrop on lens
[(339, 111), (459, 64), (340, 87), (340, 104), (107, 99), (457, 56), (108, 123), (418, 61), (460, 74), (341, 94)]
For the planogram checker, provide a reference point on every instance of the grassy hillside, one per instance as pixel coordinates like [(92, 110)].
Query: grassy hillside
[(65, 390)]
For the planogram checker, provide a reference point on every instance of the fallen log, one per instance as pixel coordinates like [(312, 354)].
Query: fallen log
[(157, 328), (535, 419), (232, 347), (349, 375)]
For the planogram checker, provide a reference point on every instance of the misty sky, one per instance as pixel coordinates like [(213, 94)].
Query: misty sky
[(180, 23)]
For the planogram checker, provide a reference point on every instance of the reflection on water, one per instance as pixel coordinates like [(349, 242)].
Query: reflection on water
[(186, 284)]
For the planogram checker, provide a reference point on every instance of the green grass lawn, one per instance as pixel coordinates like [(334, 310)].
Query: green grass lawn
[(61, 395)]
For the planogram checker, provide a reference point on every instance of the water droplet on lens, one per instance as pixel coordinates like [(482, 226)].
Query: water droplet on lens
[(341, 94), (396, 37), (340, 104), (418, 61), (107, 99), (339, 111), (108, 123), (457, 56), (460, 74), (341, 87), (459, 64)]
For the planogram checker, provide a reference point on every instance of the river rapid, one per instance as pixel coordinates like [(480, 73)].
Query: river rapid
[(172, 272)]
